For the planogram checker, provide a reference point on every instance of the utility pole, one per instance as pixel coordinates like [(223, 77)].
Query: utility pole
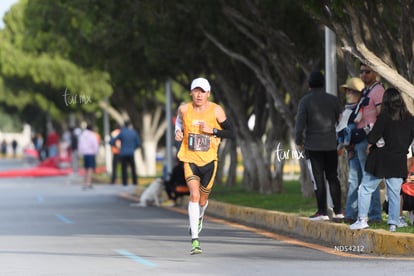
[(330, 80), (107, 137), (330, 62), (168, 151)]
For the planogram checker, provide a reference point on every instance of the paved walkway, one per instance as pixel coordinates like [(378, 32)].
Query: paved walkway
[(376, 242)]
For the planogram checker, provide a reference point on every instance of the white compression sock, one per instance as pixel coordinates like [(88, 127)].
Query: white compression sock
[(193, 215), (203, 209)]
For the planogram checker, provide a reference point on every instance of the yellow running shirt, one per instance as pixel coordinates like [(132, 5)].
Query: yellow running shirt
[(197, 147)]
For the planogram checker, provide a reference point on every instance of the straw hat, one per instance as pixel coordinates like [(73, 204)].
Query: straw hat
[(353, 83)]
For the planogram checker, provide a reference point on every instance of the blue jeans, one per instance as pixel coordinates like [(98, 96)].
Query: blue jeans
[(355, 176), (53, 151), (345, 137), (369, 184)]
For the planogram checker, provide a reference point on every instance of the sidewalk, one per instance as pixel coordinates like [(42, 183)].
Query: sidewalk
[(376, 242)]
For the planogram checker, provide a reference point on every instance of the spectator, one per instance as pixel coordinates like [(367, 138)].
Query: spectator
[(175, 179), (52, 143), (352, 114), (4, 147), (318, 113), (74, 145), (407, 194), (396, 126), (66, 142), (88, 147), (130, 141), (38, 145), (115, 155), (14, 147), (371, 106)]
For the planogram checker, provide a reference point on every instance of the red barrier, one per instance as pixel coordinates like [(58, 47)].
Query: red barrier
[(49, 167)]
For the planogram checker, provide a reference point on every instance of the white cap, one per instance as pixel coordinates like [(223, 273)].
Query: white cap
[(202, 83)]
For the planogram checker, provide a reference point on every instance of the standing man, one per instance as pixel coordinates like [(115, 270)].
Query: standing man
[(4, 147), (200, 125), (318, 113), (130, 141), (74, 154), (371, 106), (14, 147)]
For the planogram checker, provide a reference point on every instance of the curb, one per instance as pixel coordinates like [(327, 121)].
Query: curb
[(338, 235)]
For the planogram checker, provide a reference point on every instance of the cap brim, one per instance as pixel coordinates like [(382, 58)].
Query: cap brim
[(343, 87), (200, 88)]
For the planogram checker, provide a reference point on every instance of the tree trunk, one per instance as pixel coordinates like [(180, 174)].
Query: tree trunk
[(153, 127), (277, 175), (306, 184), (227, 168), (257, 172), (232, 171)]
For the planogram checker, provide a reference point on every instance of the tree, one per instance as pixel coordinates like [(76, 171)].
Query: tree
[(46, 80), (379, 33), (263, 48), (265, 38), (118, 38)]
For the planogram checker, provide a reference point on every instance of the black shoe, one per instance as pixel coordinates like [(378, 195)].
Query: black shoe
[(319, 216)]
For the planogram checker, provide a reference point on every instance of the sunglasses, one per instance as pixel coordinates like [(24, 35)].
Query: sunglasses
[(365, 72)]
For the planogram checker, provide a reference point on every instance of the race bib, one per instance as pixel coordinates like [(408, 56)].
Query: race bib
[(198, 142)]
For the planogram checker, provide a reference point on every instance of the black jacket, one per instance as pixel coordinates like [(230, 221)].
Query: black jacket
[(318, 113), (390, 160)]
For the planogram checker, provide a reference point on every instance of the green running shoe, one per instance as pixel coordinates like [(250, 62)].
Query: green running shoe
[(200, 226), (196, 249)]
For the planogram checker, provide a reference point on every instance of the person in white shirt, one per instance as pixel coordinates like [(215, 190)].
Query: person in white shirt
[(88, 147)]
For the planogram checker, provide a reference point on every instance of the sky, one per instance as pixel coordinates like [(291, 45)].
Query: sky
[(4, 7)]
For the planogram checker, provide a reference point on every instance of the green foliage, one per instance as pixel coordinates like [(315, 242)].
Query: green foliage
[(134, 41), (53, 72), (31, 76), (10, 122), (290, 200)]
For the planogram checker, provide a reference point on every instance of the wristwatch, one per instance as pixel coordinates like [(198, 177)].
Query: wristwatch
[(215, 131)]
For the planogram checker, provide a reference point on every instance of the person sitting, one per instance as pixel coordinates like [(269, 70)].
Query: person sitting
[(174, 183), (407, 194)]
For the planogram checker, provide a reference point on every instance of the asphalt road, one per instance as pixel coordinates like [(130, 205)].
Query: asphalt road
[(50, 226)]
